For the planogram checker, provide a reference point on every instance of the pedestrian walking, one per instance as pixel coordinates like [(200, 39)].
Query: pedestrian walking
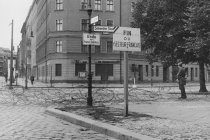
[(5, 76), (32, 79), (182, 80), (16, 78)]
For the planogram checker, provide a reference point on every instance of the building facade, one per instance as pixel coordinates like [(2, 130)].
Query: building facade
[(55, 51), (4, 55)]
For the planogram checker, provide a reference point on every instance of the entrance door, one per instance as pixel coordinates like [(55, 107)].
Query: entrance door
[(209, 75), (104, 70), (165, 74), (175, 70), (140, 70), (192, 74)]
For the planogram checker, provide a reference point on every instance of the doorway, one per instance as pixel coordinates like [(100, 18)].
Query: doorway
[(140, 76), (192, 74)]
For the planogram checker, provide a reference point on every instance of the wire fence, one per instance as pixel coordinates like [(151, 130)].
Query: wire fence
[(77, 94)]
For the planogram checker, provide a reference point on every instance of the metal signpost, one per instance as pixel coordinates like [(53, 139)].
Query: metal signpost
[(126, 39)]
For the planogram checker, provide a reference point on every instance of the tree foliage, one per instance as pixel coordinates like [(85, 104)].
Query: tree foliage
[(198, 24), (175, 30), (198, 43), (161, 23)]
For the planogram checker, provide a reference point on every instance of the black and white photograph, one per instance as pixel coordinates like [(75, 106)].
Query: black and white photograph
[(105, 70)]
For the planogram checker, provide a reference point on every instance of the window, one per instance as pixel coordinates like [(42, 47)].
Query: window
[(98, 23), (80, 67), (109, 46), (147, 72), (97, 4), (59, 4), (84, 4), (84, 26), (109, 23), (157, 71), (109, 5), (59, 25), (59, 45), (84, 49), (196, 72), (58, 69), (104, 69), (133, 6), (152, 70), (97, 49)]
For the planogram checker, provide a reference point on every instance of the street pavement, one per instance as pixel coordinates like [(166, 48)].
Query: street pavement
[(194, 111), (28, 121)]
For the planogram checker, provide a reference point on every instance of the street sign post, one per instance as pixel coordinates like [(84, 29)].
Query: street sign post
[(110, 29), (91, 39), (126, 39)]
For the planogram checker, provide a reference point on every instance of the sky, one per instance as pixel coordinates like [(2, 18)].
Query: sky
[(16, 10)]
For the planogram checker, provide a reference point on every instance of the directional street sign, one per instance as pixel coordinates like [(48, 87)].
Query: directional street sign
[(91, 39), (94, 20), (110, 29), (127, 39)]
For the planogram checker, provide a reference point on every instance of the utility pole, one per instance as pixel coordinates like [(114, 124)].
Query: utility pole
[(26, 73), (120, 51), (89, 98), (46, 44), (11, 58)]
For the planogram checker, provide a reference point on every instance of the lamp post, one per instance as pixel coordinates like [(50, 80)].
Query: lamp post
[(26, 80), (11, 59), (27, 43), (89, 98)]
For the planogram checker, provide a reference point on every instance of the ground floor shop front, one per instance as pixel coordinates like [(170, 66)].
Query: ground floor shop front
[(111, 71)]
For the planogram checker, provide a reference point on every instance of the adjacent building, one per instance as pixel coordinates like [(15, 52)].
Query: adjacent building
[(4, 54), (52, 48)]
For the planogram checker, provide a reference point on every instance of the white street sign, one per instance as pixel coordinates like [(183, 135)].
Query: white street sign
[(91, 39), (94, 20), (105, 28), (127, 39)]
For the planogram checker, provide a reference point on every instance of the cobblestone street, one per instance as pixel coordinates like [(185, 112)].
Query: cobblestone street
[(28, 121)]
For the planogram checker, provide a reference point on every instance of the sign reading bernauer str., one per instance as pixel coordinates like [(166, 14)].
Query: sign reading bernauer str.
[(105, 28), (127, 39), (91, 39)]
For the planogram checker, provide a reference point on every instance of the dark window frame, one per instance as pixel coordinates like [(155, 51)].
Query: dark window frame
[(80, 67), (58, 69)]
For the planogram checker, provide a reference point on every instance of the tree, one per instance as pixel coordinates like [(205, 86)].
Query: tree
[(162, 28), (176, 30), (198, 43)]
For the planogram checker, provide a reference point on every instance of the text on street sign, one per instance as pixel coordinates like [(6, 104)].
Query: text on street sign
[(127, 39)]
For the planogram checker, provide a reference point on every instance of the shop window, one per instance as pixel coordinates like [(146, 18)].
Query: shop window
[(58, 70)]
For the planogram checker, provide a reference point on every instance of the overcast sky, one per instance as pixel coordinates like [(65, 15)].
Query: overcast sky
[(16, 10)]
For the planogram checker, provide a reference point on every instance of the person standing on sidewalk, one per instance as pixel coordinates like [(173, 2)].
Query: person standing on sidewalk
[(32, 79), (5, 76), (182, 80)]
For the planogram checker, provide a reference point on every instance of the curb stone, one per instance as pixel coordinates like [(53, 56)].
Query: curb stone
[(97, 126)]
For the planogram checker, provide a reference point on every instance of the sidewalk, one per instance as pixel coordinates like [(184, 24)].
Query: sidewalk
[(21, 81), (169, 118)]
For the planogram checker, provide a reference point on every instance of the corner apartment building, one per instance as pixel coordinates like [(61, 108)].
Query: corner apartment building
[(55, 51)]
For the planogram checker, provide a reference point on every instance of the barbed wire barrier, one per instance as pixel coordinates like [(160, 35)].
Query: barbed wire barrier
[(78, 94)]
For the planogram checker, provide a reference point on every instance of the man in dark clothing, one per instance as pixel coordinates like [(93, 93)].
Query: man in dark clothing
[(32, 79), (182, 80)]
